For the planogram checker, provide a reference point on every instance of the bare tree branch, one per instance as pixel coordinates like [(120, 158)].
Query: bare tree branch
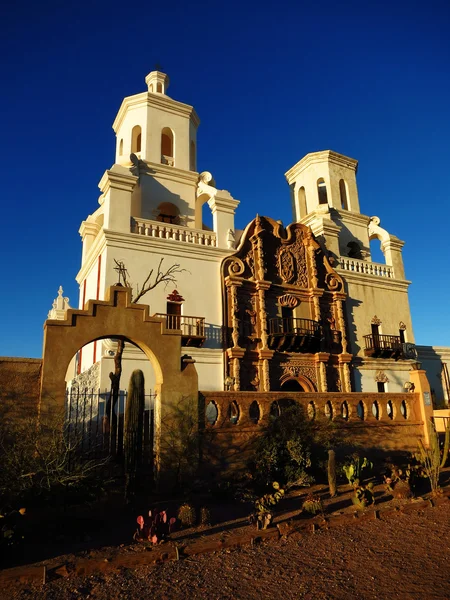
[(162, 276)]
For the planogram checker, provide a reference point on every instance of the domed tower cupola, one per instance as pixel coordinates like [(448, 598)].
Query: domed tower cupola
[(157, 82)]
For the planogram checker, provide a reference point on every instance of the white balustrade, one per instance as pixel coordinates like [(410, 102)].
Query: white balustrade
[(368, 268), (177, 233)]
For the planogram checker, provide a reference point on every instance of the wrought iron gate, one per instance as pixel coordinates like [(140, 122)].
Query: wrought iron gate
[(97, 428)]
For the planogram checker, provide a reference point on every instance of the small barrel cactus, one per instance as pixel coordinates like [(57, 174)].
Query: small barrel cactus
[(313, 504), (187, 515)]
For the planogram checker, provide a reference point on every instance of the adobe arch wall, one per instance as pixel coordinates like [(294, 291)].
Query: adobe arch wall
[(176, 382)]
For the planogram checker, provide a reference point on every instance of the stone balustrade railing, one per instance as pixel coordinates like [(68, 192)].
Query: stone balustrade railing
[(168, 231), (368, 268), (250, 409)]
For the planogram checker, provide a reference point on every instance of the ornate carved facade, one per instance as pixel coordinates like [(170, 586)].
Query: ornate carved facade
[(283, 312)]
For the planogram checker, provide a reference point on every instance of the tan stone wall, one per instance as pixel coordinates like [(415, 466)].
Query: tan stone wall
[(227, 445), (19, 387)]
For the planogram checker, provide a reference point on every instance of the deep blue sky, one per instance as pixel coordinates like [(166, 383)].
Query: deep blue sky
[(270, 81)]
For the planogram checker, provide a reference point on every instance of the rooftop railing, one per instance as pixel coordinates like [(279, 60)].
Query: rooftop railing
[(169, 231)]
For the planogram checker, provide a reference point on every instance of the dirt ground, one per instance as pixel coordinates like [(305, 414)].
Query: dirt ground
[(405, 556)]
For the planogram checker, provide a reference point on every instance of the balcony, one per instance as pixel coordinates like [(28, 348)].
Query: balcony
[(383, 346), (293, 334), (192, 328)]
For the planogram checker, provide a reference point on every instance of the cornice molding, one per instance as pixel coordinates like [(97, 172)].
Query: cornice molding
[(166, 172), (173, 248), (147, 99), (88, 228), (374, 281), (117, 180), (320, 157)]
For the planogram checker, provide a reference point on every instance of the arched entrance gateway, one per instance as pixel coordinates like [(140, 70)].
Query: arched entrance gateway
[(176, 378)]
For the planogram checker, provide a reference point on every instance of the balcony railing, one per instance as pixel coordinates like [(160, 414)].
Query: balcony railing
[(192, 328), (168, 231), (368, 268), (292, 334), (383, 346)]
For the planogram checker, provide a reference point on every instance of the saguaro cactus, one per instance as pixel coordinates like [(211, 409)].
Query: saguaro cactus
[(332, 472), (133, 431)]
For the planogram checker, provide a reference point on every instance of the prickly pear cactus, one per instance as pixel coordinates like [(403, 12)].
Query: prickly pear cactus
[(133, 430)]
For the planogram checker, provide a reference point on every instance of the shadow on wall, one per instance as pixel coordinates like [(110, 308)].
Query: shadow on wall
[(349, 245), (352, 303), (214, 336), (20, 380), (433, 365)]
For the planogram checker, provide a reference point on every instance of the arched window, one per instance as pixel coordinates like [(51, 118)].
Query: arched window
[(192, 157), (136, 136), (121, 148), (322, 191), (151, 87), (343, 193), (159, 88), (167, 147), (302, 202)]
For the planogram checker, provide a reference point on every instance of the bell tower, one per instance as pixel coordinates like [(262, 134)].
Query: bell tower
[(156, 138), (325, 197)]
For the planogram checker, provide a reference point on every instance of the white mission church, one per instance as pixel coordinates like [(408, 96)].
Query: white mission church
[(264, 309)]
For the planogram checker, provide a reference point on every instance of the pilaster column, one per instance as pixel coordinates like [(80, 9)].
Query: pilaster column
[(223, 207), (344, 368), (392, 250), (262, 286), (117, 185), (321, 360), (233, 285), (341, 322), (235, 355)]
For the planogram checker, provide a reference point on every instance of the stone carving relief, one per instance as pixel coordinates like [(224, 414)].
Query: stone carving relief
[(295, 368), (286, 265), (376, 320), (381, 377), (402, 326), (291, 261), (288, 300)]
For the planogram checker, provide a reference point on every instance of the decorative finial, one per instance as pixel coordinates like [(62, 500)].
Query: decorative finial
[(59, 306)]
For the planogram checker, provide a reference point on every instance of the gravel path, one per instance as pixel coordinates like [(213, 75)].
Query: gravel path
[(406, 557)]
